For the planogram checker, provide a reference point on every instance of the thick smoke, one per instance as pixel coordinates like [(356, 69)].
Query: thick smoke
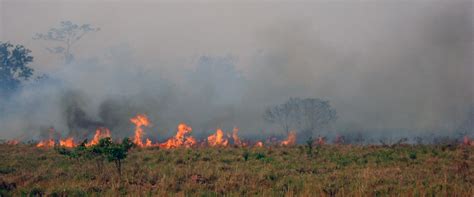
[(385, 66)]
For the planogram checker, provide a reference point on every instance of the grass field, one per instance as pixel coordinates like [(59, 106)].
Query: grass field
[(330, 170)]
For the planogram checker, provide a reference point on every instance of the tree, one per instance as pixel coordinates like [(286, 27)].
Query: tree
[(316, 114), (304, 115), (118, 152), (286, 114), (67, 35), (105, 149), (14, 68)]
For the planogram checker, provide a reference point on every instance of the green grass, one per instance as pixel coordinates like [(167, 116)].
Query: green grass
[(273, 171)]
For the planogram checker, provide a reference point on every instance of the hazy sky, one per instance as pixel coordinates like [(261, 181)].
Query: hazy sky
[(382, 64)]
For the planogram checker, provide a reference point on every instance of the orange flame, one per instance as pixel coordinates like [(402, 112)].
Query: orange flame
[(68, 142), (259, 144), (180, 139), (139, 121), (100, 133), (148, 143), (46, 143), (235, 137), (189, 142), (12, 142), (217, 139), (467, 141), (291, 139)]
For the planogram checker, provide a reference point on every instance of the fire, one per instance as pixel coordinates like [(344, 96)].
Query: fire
[(291, 139), (180, 139), (100, 133), (183, 138), (148, 142), (339, 139), (12, 142), (68, 142), (46, 143), (259, 144), (467, 141), (236, 138), (217, 139), (140, 120), (321, 140), (190, 141)]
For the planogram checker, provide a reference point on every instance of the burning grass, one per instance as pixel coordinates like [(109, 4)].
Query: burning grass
[(225, 164), (330, 170)]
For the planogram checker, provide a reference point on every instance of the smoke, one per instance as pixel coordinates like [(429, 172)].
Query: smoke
[(385, 66)]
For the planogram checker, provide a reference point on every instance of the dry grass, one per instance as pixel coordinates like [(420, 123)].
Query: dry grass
[(330, 171)]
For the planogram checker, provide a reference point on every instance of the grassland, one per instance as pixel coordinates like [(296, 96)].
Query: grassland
[(330, 170)]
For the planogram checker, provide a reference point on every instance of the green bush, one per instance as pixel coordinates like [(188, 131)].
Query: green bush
[(259, 156), (104, 150), (246, 155), (412, 155)]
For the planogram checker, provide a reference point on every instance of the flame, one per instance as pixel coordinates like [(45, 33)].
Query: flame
[(180, 139), (148, 143), (217, 139), (139, 121), (339, 139), (12, 142), (190, 141), (467, 141), (46, 143), (68, 142), (291, 139), (100, 133), (49, 142), (236, 138), (321, 140), (259, 144)]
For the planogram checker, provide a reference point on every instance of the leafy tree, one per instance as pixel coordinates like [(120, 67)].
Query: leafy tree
[(67, 35), (304, 115), (104, 150), (118, 152), (113, 152), (14, 68)]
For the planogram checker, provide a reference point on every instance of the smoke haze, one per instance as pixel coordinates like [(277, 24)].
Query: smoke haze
[(383, 65)]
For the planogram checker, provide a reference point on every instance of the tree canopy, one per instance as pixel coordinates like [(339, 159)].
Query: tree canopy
[(306, 116), (67, 34), (14, 68)]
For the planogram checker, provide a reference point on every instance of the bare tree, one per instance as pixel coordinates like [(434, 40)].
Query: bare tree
[(304, 115), (67, 36), (285, 115), (315, 114)]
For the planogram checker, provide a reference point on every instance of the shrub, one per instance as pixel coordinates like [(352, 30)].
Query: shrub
[(6, 170), (412, 155), (246, 155), (104, 150), (259, 156), (309, 146), (36, 192)]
